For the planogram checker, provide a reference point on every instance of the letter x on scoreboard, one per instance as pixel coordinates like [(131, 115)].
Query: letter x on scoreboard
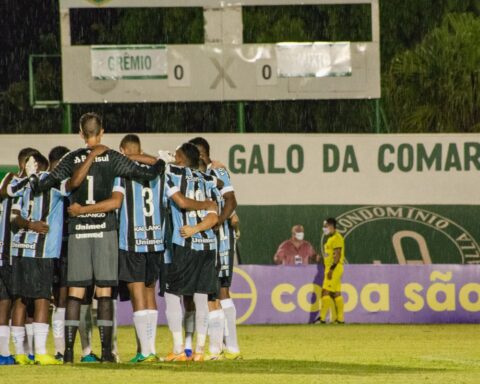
[(221, 69)]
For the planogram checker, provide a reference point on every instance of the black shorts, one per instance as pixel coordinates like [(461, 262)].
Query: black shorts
[(6, 282), (123, 294), (60, 272), (163, 274), (192, 272), (32, 277), (137, 267)]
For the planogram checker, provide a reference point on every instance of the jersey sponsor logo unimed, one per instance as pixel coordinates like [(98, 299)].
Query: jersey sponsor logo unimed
[(31, 246), (90, 227), (94, 235), (148, 242), (203, 241)]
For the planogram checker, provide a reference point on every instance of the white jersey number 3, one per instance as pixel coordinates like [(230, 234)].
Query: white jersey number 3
[(147, 195)]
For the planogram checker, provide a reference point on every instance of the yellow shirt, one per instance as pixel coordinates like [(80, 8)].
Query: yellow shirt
[(334, 241)]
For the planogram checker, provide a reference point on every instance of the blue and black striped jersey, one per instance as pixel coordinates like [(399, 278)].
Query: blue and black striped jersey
[(5, 230), (98, 185), (196, 186), (142, 217), (224, 230), (46, 206)]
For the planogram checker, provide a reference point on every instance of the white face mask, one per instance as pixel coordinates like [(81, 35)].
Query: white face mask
[(326, 231), (299, 235), (31, 166)]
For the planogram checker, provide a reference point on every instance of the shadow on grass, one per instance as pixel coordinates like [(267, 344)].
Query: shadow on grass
[(264, 366)]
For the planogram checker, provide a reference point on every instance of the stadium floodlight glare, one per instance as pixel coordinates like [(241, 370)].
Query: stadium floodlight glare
[(223, 68)]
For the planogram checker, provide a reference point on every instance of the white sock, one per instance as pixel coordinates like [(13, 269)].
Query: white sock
[(201, 320), (85, 329), (177, 342), (231, 341), (152, 315), (40, 334), (174, 318), (4, 340), (18, 338), (216, 323), (140, 319), (114, 329), (58, 329), (29, 331), (189, 323)]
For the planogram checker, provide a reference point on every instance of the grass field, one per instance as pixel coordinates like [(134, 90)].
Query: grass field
[(295, 354)]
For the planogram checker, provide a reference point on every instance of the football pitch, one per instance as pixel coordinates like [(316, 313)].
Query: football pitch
[(293, 354)]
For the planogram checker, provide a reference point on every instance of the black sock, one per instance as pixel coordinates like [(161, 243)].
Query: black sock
[(72, 320), (105, 323)]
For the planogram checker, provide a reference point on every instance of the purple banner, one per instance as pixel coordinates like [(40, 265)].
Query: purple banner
[(372, 293)]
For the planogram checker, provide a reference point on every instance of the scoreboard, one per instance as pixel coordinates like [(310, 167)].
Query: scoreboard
[(221, 69)]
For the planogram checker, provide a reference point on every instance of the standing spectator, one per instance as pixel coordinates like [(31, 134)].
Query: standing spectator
[(296, 250)]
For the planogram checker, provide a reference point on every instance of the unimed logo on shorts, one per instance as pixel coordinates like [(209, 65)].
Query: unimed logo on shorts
[(404, 235)]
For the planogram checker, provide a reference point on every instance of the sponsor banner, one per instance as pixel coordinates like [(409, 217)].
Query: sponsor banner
[(317, 59), (304, 169), (130, 62), (372, 293)]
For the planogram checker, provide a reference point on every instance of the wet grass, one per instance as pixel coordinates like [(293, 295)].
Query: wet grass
[(295, 354)]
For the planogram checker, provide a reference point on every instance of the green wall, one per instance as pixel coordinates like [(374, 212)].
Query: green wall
[(263, 228), (4, 169)]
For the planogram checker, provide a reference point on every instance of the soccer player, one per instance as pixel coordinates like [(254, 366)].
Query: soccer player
[(34, 248), (6, 297), (60, 290), (60, 273), (226, 244), (142, 243), (93, 243), (334, 256), (192, 270)]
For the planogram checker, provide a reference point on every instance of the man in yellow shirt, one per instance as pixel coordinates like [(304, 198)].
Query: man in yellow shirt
[(334, 256)]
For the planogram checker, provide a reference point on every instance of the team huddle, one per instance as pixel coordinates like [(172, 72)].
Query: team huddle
[(97, 223)]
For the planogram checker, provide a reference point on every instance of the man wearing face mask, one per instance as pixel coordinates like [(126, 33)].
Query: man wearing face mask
[(296, 250)]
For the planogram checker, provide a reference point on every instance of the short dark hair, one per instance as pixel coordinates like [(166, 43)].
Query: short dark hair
[(332, 221), (130, 139), (200, 141), (192, 154), (25, 153), (40, 159), (57, 153), (90, 124)]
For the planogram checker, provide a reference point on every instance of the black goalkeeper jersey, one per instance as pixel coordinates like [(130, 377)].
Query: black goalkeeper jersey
[(98, 185)]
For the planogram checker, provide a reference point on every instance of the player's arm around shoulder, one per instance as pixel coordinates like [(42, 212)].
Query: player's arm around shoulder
[(104, 206), (124, 167), (207, 223), (80, 173), (188, 204)]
